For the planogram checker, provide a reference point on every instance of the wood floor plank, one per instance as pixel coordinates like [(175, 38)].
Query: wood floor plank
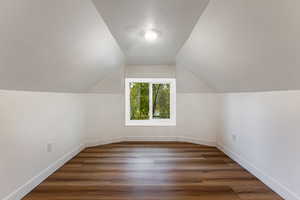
[(151, 171)]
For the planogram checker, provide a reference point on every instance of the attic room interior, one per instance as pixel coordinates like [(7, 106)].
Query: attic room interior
[(149, 100)]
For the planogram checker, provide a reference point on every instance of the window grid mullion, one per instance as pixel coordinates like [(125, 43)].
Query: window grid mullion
[(150, 101)]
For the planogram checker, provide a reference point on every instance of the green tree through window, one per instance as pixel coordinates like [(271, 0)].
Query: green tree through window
[(150, 102), (139, 101), (161, 101)]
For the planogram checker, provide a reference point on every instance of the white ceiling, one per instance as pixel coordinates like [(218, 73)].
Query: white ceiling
[(246, 45), (128, 19), (65, 45), (54, 45)]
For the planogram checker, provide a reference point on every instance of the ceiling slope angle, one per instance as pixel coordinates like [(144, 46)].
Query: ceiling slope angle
[(172, 21), (54, 45), (241, 45)]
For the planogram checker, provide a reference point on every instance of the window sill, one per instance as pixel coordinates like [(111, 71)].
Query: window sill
[(150, 123)]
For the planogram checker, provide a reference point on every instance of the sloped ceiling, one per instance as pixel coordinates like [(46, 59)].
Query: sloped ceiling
[(54, 45), (128, 19), (65, 45), (246, 45), (186, 81)]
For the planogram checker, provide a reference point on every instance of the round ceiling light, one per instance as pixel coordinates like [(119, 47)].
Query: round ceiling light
[(151, 35)]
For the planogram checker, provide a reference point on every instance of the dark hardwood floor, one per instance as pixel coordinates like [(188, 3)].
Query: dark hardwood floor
[(152, 171)]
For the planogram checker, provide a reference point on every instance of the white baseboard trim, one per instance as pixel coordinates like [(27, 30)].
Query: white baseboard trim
[(94, 142), (36, 180), (20, 192), (197, 141), (280, 189), (150, 139), (91, 142)]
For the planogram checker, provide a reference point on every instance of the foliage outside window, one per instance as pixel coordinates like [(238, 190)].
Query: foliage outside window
[(161, 101), (150, 102), (139, 101)]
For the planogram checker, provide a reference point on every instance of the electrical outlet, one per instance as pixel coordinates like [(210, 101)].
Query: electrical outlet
[(49, 147), (234, 137)]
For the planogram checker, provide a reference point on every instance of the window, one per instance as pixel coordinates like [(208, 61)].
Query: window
[(150, 102)]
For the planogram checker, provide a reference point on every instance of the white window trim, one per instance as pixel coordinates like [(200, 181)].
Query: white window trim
[(151, 122)]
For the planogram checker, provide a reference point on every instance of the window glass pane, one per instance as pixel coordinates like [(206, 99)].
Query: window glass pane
[(161, 101), (139, 101)]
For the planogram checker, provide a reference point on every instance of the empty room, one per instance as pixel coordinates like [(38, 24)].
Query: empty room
[(149, 100)]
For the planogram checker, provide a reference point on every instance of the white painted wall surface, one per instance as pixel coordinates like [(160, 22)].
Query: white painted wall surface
[(266, 126), (197, 118), (150, 71), (30, 120), (267, 129), (186, 80)]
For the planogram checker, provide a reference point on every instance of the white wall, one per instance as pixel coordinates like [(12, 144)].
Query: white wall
[(186, 80), (267, 126), (150, 71), (197, 118), (30, 120), (197, 108)]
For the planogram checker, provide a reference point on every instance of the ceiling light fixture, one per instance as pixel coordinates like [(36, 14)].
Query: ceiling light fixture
[(151, 35)]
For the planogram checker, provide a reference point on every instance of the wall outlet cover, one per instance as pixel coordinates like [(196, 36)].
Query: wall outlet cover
[(50, 147)]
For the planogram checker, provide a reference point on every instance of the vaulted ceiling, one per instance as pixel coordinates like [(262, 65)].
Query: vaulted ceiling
[(75, 45), (174, 21), (54, 45), (246, 45)]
